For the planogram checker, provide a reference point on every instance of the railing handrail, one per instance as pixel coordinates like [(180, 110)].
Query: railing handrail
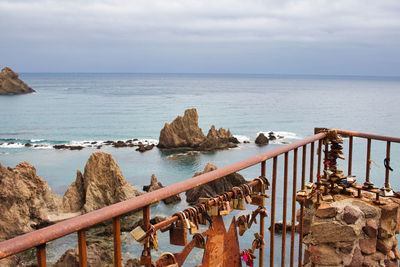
[(55, 231), (366, 135)]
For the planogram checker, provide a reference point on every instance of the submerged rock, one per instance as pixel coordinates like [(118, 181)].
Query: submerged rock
[(144, 148), (26, 201), (102, 184), (10, 84), (185, 133), (214, 188), (155, 185), (261, 139)]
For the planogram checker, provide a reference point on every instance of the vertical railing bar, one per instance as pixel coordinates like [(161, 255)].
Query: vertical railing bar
[(285, 185), (82, 248), (387, 169), (301, 233), (41, 255), (350, 155), (146, 227), (312, 162), (326, 155), (303, 167), (368, 164), (292, 239), (117, 241), (261, 249), (319, 157), (273, 196)]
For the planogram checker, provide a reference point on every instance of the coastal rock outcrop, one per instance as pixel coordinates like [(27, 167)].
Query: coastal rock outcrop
[(26, 201), (214, 188), (10, 84), (102, 184), (185, 133), (261, 139), (155, 185)]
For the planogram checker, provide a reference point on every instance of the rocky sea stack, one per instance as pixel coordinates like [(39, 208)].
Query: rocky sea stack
[(10, 84), (185, 133)]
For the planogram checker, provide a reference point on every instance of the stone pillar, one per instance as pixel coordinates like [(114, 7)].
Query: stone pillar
[(349, 231)]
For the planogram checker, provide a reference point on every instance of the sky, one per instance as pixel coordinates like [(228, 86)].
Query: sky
[(341, 37)]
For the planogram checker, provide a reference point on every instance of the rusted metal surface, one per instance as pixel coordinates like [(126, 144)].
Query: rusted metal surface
[(262, 221), (387, 169), (301, 234), (222, 248), (82, 248), (41, 236), (285, 185), (117, 241), (319, 151), (145, 258), (350, 156), (293, 207), (370, 136), (41, 255), (273, 197)]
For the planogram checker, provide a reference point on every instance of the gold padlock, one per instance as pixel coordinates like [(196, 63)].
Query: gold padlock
[(138, 233), (259, 187), (223, 211), (178, 231), (200, 241), (257, 200), (212, 210)]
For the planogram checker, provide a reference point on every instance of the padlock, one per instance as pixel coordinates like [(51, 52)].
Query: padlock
[(138, 233), (259, 187), (178, 232), (200, 241), (166, 259), (200, 209), (242, 223), (154, 241), (212, 210), (257, 200), (241, 203), (223, 209)]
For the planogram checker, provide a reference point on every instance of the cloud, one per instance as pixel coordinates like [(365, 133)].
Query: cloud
[(273, 21)]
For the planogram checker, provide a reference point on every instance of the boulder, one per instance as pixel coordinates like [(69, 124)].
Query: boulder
[(26, 201), (261, 139), (185, 133), (326, 211), (350, 215), (214, 188), (144, 148), (10, 84), (155, 185), (102, 184), (332, 232)]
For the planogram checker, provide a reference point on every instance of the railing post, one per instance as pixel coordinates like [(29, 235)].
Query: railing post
[(82, 248), (303, 167), (146, 254), (117, 241), (301, 233), (273, 197), (387, 168), (368, 165), (285, 185), (293, 207), (312, 162), (261, 250), (41, 255), (350, 155), (319, 158)]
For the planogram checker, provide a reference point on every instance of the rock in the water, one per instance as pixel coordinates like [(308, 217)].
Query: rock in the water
[(10, 84), (144, 148), (26, 201), (101, 185), (214, 188), (155, 185), (261, 139), (185, 133)]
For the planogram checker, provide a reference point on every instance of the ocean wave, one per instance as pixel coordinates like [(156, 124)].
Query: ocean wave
[(242, 138), (281, 137), (12, 145)]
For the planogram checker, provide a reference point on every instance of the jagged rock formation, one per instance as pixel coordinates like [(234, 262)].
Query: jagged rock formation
[(214, 188), (261, 139), (26, 201), (102, 184), (184, 133), (155, 185), (11, 85)]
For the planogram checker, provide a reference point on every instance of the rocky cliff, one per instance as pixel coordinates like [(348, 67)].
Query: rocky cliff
[(26, 201), (10, 84), (185, 133), (214, 188), (102, 184)]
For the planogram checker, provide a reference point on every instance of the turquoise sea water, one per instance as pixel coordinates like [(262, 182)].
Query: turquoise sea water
[(74, 108)]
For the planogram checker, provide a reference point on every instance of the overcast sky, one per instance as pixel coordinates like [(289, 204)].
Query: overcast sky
[(340, 37)]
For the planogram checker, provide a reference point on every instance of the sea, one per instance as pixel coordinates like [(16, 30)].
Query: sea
[(81, 108)]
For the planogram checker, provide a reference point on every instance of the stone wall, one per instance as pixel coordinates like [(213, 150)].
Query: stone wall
[(349, 231)]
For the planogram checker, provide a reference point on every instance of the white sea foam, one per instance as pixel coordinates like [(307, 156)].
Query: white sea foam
[(36, 140), (12, 145), (242, 138)]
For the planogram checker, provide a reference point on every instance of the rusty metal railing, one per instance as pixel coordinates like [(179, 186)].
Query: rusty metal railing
[(80, 224)]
